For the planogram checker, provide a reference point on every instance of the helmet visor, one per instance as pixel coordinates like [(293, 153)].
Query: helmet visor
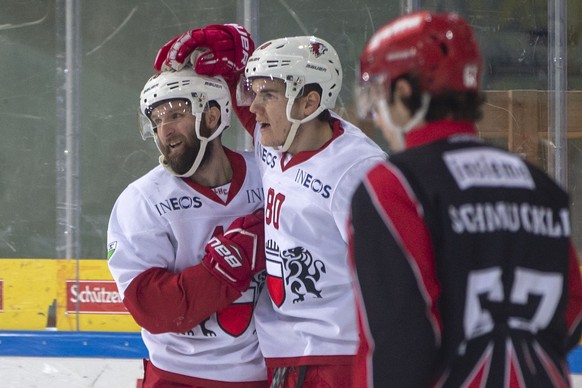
[(161, 112), (244, 92), (264, 87), (368, 91), (146, 128)]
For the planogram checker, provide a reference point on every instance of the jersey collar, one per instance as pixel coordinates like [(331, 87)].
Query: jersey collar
[(302, 156), (239, 171), (438, 130)]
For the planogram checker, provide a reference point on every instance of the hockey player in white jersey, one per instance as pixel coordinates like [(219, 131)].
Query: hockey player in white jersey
[(186, 244), (310, 161)]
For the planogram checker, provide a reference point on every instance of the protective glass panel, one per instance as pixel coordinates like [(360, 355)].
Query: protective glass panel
[(72, 72)]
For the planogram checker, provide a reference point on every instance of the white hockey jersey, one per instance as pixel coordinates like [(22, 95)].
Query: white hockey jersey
[(311, 309), (164, 221)]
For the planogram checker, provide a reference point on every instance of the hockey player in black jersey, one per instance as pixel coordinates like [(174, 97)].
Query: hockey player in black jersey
[(465, 265)]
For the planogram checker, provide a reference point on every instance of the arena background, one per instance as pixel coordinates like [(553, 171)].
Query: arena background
[(71, 73)]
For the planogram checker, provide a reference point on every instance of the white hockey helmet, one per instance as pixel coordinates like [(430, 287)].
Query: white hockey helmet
[(188, 86), (299, 61)]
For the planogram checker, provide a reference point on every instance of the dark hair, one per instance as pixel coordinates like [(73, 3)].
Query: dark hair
[(459, 106), (323, 116)]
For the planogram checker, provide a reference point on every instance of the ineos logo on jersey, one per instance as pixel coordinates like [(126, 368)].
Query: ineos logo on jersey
[(255, 195), (267, 157), (182, 203), (317, 186)]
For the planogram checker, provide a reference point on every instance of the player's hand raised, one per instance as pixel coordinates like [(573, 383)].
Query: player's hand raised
[(237, 255), (217, 49)]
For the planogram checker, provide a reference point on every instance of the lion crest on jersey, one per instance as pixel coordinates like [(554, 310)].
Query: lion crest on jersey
[(294, 268)]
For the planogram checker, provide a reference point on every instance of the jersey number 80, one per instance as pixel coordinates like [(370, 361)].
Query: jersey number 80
[(273, 207)]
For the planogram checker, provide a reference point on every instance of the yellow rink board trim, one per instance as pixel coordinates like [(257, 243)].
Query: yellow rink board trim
[(58, 294)]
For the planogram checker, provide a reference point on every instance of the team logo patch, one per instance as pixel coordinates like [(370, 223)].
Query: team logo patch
[(275, 280), (318, 49), (293, 269), (236, 317), (111, 247)]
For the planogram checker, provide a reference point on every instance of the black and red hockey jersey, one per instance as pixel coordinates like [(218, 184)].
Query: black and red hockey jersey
[(466, 269)]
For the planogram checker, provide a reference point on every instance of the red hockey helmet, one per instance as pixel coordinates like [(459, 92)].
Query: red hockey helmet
[(440, 49)]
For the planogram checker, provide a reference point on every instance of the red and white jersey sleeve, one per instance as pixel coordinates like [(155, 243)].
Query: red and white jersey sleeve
[(400, 294), (162, 223), (309, 315)]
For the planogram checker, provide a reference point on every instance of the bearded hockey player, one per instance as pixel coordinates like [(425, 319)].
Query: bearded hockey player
[(185, 241)]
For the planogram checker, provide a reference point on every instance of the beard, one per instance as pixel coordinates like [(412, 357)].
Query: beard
[(181, 160)]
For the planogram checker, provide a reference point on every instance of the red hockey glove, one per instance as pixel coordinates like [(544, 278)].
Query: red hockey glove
[(226, 47), (239, 253)]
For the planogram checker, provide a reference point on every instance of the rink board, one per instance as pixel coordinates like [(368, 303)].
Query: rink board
[(71, 344), (111, 345), (63, 295), (71, 308)]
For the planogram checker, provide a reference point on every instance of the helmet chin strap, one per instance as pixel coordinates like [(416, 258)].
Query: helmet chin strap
[(291, 135), (419, 115), (395, 133), (296, 123)]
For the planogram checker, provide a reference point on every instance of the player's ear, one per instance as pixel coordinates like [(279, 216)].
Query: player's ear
[(212, 118), (311, 102), (402, 89)]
